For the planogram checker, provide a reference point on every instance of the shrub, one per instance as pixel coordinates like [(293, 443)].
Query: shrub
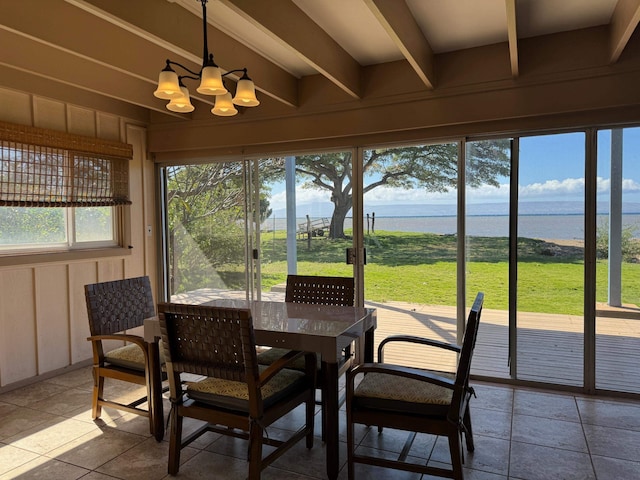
[(630, 245)]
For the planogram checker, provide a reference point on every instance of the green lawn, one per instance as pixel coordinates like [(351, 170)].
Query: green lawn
[(421, 268)]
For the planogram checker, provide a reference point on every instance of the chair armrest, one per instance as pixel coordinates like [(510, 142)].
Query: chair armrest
[(282, 362), (121, 337), (413, 339), (399, 371)]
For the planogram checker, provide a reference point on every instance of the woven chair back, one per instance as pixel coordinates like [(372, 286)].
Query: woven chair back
[(320, 290), (119, 305), (212, 341)]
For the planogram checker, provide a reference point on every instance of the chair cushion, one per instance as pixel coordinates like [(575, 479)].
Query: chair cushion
[(131, 356), (269, 356), (394, 393), (235, 395)]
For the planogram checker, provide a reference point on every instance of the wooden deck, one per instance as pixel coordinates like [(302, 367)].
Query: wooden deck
[(550, 347)]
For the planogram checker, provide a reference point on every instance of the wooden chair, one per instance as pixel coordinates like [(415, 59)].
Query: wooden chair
[(114, 308), (317, 290), (415, 400), (235, 393)]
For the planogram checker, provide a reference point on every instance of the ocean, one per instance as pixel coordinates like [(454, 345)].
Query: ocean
[(558, 227)]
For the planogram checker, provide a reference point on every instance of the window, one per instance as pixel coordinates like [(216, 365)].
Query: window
[(59, 191)]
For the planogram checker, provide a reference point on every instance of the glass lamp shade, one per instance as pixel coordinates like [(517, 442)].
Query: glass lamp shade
[(211, 82), (181, 104), (224, 106), (168, 85), (246, 93)]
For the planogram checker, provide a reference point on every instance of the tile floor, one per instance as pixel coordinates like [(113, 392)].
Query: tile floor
[(46, 431)]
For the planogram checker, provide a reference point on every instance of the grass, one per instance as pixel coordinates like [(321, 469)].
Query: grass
[(421, 268)]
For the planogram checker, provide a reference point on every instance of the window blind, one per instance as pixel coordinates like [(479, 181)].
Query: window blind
[(47, 168)]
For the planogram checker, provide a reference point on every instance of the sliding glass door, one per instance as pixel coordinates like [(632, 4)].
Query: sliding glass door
[(206, 231), (306, 221), (550, 259), (618, 261), (409, 213), (423, 228), (487, 208)]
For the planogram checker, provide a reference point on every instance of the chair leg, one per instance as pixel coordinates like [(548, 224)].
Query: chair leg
[(350, 447), (255, 449), (456, 454), (175, 440), (310, 411), (152, 428), (469, 432), (323, 414), (98, 392)]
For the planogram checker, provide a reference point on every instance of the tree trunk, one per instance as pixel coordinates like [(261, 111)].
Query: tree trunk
[(336, 229)]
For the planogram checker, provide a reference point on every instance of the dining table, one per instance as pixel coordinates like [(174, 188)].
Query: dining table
[(323, 329)]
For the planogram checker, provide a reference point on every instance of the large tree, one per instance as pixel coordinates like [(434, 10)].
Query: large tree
[(431, 167)]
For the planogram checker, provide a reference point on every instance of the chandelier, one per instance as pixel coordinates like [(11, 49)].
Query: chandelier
[(171, 87)]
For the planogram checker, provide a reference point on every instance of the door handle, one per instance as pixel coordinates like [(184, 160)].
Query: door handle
[(351, 256)]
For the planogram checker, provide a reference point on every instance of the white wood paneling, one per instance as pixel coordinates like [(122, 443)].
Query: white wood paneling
[(15, 107), (49, 114), (80, 274), (110, 269), (108, 126), (43, 315), (18, 355), (52, 317), (81, 121)]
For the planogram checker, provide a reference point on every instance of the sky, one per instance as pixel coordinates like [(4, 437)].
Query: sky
[(551, 170)]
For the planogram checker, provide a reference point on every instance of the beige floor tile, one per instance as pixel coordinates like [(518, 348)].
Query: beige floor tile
[(533, 462), (31, 394), (96, 448), (548, 405), (610, 413), (12, 457), (613, 442), (615, 469), (46, 469), (50, 435), (65, 403), (20, 419), (549, 432), (145, 461)]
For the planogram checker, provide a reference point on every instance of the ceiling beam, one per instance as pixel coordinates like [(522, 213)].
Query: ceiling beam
[(65, 28), (398, 21), (179, 33), (286, 23), (623, 22), (512, 33), (57, 65)]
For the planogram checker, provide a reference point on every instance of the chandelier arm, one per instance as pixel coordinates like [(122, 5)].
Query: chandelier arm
[(180, 77), (171, 62), (235, 71)]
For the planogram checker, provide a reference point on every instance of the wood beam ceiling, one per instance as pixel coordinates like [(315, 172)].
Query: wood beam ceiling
[(170, 26), (512, 33), (293, 29), (624, 21), (398, 21)]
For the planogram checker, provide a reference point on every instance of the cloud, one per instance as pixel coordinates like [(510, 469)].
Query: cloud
[(549, 190)]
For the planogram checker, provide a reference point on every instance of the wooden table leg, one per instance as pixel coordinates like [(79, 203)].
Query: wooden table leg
[(368, 346), (156, 409), (331, 404)]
